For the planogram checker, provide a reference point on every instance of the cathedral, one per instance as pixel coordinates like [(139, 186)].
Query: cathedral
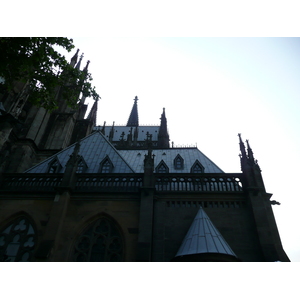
[(73, 190)]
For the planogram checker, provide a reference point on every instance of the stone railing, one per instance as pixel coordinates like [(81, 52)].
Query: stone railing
[(31, 182), (216, 182), (126, 182)]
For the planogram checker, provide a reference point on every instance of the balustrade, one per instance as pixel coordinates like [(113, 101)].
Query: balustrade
[(31, 182), (217, 182), (109, 182)]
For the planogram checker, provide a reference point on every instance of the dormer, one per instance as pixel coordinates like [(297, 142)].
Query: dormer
[(162, 168), (81, 166), (106, 166), (178, 162), (197, 167), (54, 165)]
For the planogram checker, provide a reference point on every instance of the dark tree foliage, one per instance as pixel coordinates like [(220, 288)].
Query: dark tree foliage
[(35, 60)]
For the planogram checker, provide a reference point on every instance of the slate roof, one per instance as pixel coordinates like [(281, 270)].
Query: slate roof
[(135, 159), (94, 148), (203, 237)]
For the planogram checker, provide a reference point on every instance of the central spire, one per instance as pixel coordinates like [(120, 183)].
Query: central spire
[(134, 118)]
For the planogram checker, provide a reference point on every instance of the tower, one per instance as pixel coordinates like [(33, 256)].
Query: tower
[(29, 134)]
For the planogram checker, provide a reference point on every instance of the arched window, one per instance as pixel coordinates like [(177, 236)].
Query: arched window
[(17, 240), (106, 165), (82, 166), (54, 166), (162, 168), (197, 167), (178, 162), (101, 241)]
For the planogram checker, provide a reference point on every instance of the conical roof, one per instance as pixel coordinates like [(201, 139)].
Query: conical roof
[(203, 237)]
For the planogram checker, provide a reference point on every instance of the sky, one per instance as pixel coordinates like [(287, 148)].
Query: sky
[(212, 89)]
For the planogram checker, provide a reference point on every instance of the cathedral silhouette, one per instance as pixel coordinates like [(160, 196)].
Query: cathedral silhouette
[(73, 190)]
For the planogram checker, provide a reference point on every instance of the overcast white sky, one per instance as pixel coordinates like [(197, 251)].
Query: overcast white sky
[(212, 89)]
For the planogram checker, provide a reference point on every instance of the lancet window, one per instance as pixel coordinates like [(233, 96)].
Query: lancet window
[(197, 167), (101, 241), (162, 168), (106, 166), (82, 166), (17, 240), (178, 162), (54, 166)]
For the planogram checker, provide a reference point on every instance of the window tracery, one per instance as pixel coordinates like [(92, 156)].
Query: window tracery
[(178, 162), (17, 240), (106, 166), (101, 241), (162, 168), (197, 167), (81, 166)]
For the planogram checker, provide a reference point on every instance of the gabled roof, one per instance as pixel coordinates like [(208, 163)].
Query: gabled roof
[(94, 148), (203, 237), (135, 159)]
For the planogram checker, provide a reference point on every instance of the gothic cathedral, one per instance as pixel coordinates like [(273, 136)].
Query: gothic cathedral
[(74, 191)]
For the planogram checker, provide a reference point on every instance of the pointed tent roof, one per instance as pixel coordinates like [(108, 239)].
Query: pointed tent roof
[(204, 238), (93, 148), (134, 118)]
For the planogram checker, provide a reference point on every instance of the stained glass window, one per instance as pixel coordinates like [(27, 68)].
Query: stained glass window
[(101, 241), (17, 241)]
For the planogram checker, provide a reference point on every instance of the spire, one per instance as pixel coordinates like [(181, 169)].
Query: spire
[(79, 63), (134, 118), (111, 133), (243, 155), (93, 112), (242, 146), (85, 70), (163, 135), (203, 242), (103, 128), (71, 168), (74, 59), (250, 152)]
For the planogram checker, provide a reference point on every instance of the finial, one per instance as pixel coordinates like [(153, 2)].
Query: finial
[(136, 98)]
